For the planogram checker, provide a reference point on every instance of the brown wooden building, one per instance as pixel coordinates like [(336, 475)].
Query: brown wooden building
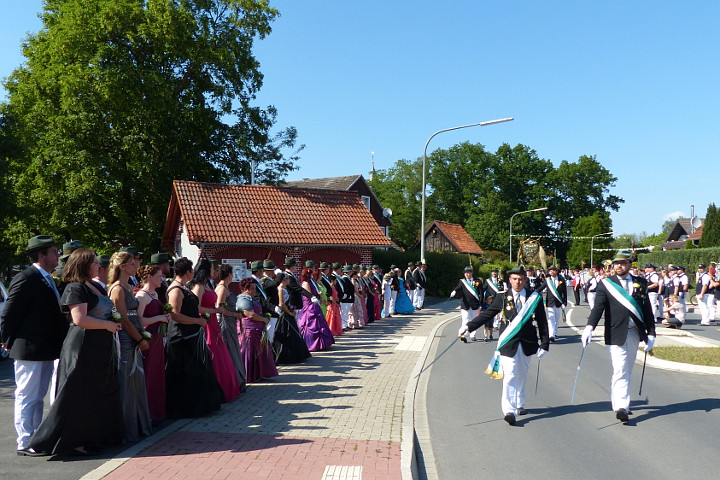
[(449, 237)]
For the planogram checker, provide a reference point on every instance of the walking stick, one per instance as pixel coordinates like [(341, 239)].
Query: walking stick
[(642, 377), (537, 378), (577, 375)]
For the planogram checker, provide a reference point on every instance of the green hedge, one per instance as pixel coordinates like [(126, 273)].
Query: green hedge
[(687, 258), (444, 269)]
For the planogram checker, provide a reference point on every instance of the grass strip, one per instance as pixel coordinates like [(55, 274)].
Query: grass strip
[(709, 356)]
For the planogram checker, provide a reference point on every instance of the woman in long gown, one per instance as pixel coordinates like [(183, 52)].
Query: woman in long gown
[(369, 295), (288, 345), (334, 319), (87, 412), (377, 299), (152, 318), (356, 319), (133, 392), (403, 304), (255, 349), (221, 361), (230, 318), (310, 319), (192, 387)]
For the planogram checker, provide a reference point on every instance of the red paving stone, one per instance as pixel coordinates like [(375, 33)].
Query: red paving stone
[(208, 455)]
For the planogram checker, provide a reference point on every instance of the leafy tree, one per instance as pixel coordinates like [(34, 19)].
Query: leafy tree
[(119, 97), (711, 228), (579, 253)]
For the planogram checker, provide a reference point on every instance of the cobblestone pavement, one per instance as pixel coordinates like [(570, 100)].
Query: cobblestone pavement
[(338, 416)]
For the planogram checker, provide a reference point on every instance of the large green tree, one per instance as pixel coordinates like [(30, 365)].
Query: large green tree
[(119, 97), (711, 228), (579, 254)]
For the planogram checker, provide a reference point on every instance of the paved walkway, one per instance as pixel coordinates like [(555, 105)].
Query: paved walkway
[(338, 416)]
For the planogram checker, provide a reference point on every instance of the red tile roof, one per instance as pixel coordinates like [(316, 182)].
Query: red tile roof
[(328, 183), (696, 234), (456, 234), (267, 215)]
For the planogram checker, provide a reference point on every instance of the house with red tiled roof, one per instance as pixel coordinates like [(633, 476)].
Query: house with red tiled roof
[(240, 223), (449, 237), (682, 232)]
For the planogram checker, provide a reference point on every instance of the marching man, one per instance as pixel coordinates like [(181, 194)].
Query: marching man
[(471, 294), (628, 321), (518, 340), (556, 300)]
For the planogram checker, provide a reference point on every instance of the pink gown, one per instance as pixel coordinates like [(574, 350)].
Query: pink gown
[(222, 363), (334, 320)]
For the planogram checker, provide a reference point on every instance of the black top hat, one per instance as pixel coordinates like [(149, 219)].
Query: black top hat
[(268, 265), (40, 242), (159, 258), (290, 261)]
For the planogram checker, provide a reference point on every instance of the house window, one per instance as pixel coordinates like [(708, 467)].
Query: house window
[(366, 201)]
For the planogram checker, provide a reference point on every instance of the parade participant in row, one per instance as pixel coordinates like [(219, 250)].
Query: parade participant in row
[(310, 319), (470, 292), (226, 299), (705, 295), (409, 278), (494, 285), (377, 281), (420, 285), (592, 285), (681, 284), (346, 291), (403, 303), (628, 321), (556, 287), (257, 354), (653, 281), (577, 284), (518, 340)]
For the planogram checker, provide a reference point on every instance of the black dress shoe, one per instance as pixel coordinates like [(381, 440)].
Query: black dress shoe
[(552, 339), (29, 452), (522, 411), (510, 419), (463, 339), (622, 415)]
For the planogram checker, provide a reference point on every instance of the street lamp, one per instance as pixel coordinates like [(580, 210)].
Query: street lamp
[(518, 213), (422, 208), (592, 239)]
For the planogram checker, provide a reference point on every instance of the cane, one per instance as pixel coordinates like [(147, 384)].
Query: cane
[(577, 375), (537, 378), (642, 377)]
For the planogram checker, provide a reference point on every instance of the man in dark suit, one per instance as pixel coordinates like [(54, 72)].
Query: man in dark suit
[(266, 288), (518, 341), (420, 285), (556, 288), (348, 297), (470, 292), (33, 328), (628, 321), (410, 281), (294, 289)]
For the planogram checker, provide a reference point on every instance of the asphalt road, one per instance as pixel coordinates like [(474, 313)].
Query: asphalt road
[(672, 432)]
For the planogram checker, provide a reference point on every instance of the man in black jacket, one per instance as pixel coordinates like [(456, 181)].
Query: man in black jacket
[(470, 292), (420, 285), (556, 288), (628, 320), (33, 328), (522, 309), (294, 289)]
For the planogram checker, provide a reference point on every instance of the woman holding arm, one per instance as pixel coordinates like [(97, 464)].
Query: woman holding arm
[(288, 344), (310, 318), (256, 350), (191, 385), (226, 299), (87, 412), (152, 316)]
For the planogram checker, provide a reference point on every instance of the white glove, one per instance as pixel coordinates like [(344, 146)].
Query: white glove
[(278, 310), (541, 353), (650, 342), (314, 300), (463, 330), (452, 294), (587, 335)]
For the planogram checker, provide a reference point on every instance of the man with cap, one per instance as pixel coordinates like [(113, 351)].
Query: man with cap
[(470, 291), (681, 284), (556, 300), (653, 281), (420, 285), (294, 289), (348, 295), (162, 260), (628, 321), (103, 272), (32, 329), (266, 292), (325, 279), (410, 281), (591, 286), (493, 286), (705, 295), (518, 339)]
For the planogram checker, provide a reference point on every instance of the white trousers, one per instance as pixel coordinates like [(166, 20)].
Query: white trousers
[(654, 297), (345, 313), (32, 380), (554, 315), (591, 299), (707, 308), (623, 359), (466, 316), (419, 298), (393, 297), (515, 372)]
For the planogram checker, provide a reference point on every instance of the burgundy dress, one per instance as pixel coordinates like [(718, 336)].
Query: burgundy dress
[(222, 363), (258, 356), (154, 363), (313, 326)]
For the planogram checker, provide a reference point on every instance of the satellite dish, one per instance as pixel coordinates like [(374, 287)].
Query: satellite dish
[(387, 213), (696, 222)]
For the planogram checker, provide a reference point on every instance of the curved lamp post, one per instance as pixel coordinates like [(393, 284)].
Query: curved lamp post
[(422, 208), (592, 240), (518, 213)]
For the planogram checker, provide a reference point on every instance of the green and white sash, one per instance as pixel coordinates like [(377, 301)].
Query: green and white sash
[(471, 289), (493, 285), (522, 317), (553, 289), (624, 298)]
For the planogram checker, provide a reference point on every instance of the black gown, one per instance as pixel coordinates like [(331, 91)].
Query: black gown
[(87, 410), (192, 387), (288, 344)]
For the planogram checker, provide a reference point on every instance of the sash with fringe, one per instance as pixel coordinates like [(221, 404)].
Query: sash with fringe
[(522, 317)]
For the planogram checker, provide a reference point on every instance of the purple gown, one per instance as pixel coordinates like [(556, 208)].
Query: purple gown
[(258, 357), (312, 324), (154, 363)]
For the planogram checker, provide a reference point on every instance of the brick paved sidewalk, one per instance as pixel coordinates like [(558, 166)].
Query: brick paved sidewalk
[(337, 416)]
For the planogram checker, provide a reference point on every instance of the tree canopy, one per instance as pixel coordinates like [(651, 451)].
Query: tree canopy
[(711, 228), (119, 97)]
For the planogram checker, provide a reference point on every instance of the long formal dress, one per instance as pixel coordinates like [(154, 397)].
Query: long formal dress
[(403, 304), (192, 387), (154, 363), (229, 328), (356, 318), (256, 352), (288, 345), (133, 393), (222, 363), (87, 409), (333, 318), (312, 324)]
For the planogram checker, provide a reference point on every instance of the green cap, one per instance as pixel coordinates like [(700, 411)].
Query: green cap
[(40, 242), (517, 270), (103, 260), (621, 256), (131, 249), (159, 258), (309, 264), (290, 261), (268, 265)]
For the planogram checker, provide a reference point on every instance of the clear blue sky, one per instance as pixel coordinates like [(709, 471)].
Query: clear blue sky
[(634, 83)]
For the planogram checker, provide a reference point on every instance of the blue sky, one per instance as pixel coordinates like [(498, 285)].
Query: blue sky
[(633, 83)]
